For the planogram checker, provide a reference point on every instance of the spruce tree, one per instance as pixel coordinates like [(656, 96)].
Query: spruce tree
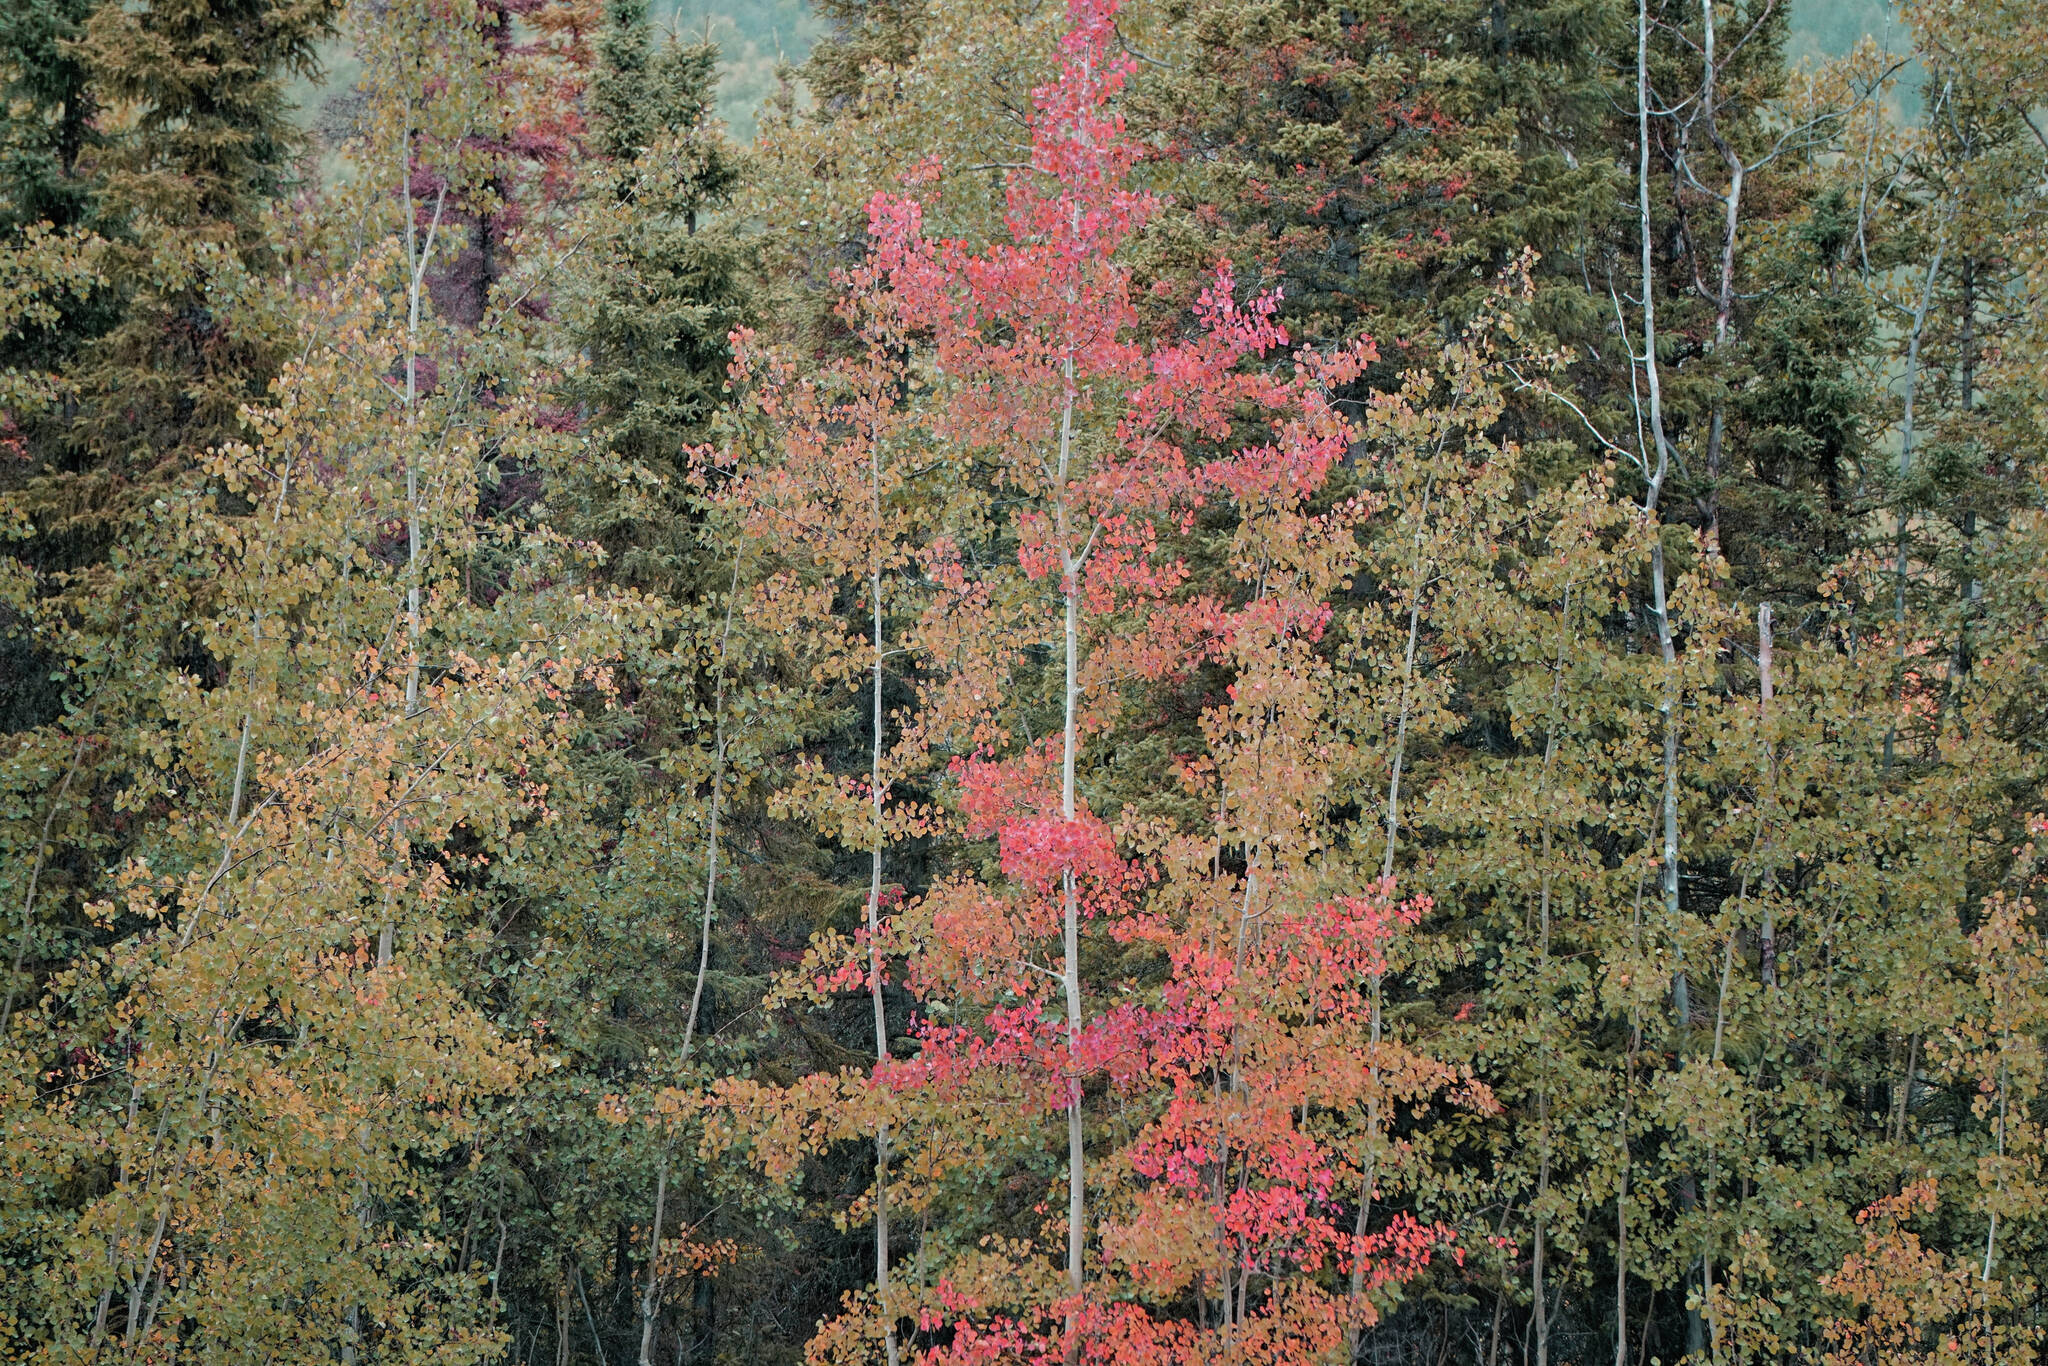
[(210, 147), (667, 289), (49, 182), (163, 128), (867, 37), (46, 111), (157, 135)]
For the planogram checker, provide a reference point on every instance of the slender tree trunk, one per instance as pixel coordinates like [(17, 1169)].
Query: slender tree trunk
[(1724, 294), (1538, 1295), (1070, 911), (876, 840), (596, 1338), (1966, 340), (562, 1321), (418, 255), (1393, 826), (1657, 465), (35, 871), (99, 1323), (1905, 1107), (191, 924), (650, 1299), (1991, 1233), (1767, 935), (1966, 344), (1415, 586), (504, 1232), (1628, 1088), (1538, 1292), (1681, 998), (1657, 469), (1621, 1245), (1905, 470), (717, 808), (1070, 933)]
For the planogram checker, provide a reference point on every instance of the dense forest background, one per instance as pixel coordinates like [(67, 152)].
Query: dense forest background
[(973, 681), (757, 37)]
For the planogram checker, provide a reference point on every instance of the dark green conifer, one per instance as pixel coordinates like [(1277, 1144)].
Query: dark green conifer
[(46, 113), (865, 36), (162, 127), (211, 145), (664, 296)]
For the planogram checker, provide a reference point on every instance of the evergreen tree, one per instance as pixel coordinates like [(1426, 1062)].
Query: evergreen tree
[(48, 138), (667, 286), (48, 127), (206, 145), (867, 40), (161, 132)]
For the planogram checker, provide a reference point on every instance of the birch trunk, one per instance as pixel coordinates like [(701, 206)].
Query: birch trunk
[(875, 922), (1724, 293), (1393, 825), (417, 255), (1905, 468), (1657, 470), (650, 1298), (1071, 566), (717, 808)]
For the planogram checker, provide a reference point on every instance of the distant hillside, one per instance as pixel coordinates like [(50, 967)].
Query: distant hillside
[(755, 35), (1829, 28)]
